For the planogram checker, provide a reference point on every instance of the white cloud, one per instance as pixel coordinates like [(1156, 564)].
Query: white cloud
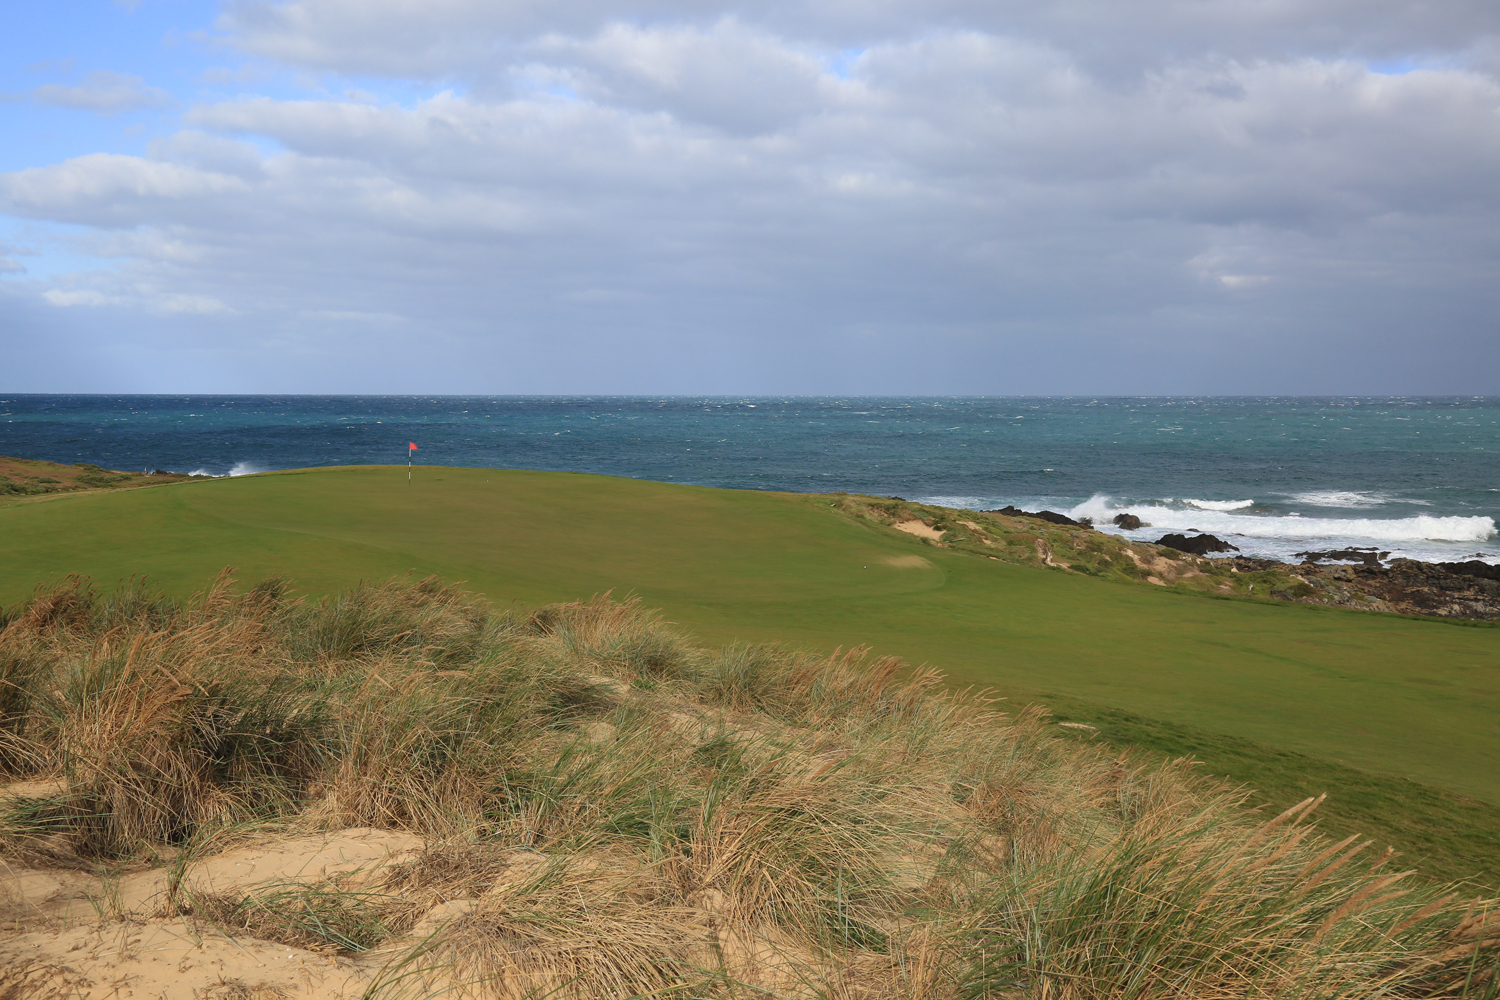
[(197, 305), (728, 76), (671, 185), (79, 297), (104, 92), (109, 189), (443, 38)]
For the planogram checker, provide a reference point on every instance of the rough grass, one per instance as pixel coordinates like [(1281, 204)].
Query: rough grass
[(1446, 836), (611, 811)]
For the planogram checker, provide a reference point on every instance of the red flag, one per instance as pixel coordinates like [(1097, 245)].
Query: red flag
[(411, 446)]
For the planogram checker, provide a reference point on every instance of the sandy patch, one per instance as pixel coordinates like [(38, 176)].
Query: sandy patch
[(301, 859), (907, 562), (169, 960), (1159, 569), (919, 529), (44, 789), (94, 938), (27, 894), (1045, 552), (978, 530)]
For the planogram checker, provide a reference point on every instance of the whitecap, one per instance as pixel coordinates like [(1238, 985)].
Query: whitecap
[(1391, 530), (1339, 498), (1220, 504), (245, 469)]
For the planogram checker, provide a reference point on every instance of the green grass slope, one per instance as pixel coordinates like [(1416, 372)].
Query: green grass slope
[(1414, 699)]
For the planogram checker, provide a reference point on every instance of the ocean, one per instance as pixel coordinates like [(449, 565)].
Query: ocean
[(1413, 476)]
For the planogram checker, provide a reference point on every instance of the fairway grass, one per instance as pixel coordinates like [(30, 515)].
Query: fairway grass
[(1386, 696)]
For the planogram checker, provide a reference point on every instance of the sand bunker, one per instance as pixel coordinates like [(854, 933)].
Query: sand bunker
[(919, 529), (907, 562)]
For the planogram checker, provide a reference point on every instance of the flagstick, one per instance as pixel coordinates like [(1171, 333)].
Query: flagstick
[(408, 465)]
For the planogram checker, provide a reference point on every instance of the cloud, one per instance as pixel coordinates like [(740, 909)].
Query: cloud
[(727, 76), (820, 197), (109, 189), (105, 93), (452, 37), (79, 297)]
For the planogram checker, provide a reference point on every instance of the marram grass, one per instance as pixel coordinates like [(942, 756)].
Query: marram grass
[(610, 811)]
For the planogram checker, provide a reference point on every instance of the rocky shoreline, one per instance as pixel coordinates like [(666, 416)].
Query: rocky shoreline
[(1356, 578), (1345, 578), (1406, 586)]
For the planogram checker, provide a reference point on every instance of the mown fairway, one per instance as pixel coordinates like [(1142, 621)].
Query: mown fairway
[(1409, 698)]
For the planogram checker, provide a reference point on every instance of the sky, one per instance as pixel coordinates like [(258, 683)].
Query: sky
[(927, 197)]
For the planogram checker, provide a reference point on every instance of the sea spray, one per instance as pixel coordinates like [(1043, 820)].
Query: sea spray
[(1280, 535)]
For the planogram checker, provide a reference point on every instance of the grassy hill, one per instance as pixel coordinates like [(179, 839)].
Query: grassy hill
[(1402, 711)]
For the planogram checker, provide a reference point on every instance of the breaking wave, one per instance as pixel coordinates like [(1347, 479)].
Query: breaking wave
[(1223, 520), (237, 469), (1348, 498), (1220, 504)]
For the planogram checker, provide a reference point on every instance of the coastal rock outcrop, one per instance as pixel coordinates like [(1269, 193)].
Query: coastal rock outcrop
[(1440, 590), (1198, 545), (1128, 521), (1050, 516), (1368, 556), (1473, 567), (1433, 589)]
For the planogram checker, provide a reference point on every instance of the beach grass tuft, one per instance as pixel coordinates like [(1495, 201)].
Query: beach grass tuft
[(607, 810)]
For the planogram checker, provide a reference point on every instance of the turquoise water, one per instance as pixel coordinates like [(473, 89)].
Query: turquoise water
[(1414, 476)]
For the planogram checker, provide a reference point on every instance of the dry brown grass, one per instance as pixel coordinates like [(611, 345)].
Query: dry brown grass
[(610, 811)]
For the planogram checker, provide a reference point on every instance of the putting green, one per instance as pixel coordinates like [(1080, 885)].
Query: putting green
[(1411, 698)]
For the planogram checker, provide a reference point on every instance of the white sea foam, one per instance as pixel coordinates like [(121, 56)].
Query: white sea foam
[(1285, 536), (1224, 521), (1268, 535), (1220, 504), (238, 469), (1339, 498)]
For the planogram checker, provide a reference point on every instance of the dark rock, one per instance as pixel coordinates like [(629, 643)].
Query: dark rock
[(1441, 590), (1199, 546), (1050, 516), (1473, 567), (1368, 556), (161, 472), (1129, 522), (1008, 511), (1433, 589)]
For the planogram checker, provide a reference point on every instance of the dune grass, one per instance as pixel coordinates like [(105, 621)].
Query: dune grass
[(1413, 706), (611, 810)]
